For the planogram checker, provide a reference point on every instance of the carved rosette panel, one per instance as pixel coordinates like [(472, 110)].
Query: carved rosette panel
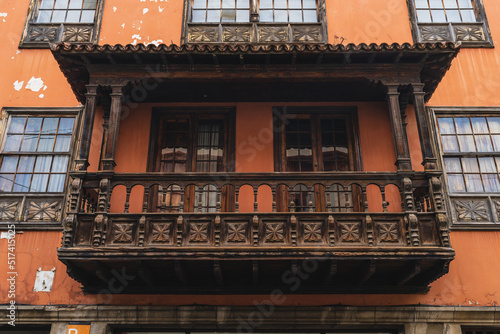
[(161, 233), (48, 210), (9, 209), (469, 33), (236, 232), (274, 232), (388, 232), (38, 33), (350, 232), (312, 232), (471, 210), (203, 34), (236, 34), (122, 233), (198, 232), (273, 34), (496, 202), (435, 33), (307, 33), (81, 34)]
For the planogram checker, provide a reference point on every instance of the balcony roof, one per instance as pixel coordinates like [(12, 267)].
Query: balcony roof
[(344, 66)]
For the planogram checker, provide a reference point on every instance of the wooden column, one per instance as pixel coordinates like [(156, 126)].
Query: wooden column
[(108, 163), (82, 159), (403, 161), (429, 160), (254, 11)]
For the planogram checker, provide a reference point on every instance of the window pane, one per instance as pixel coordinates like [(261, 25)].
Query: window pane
[(281, 4), (446, 125), (43, 164), (421, 4), (58, 16), (468, 15), (450, 4), (453, 165), (46, 144), (483, 143), (61, 4), (44, 16), (75, 4), (473, 183), (26, 164), (66, 125), (465, 3), (243, 4), (214, 3), (479, 125), (17, 124), (199, 4), (56, 183), (46, 4), (424, 16), (453, 16), (490, 182), (463, 125), (494, 123), (87, 16), (90, 4), (62, 144), (470, 165), (228, 4), (496, 142), (213, 16), (309, 4), (294, 4), (266, 4), (22, 183), (60, 164), (73, 16), (6, 182), (34, 125), (199, 15), (9, 164), (266, 16), (280, 16), (487, 165), (29, 143), (242, 16), (456, 183), (295, 16), (450, 143), (228, 15), (39, 183), (12, 143), (310, 16), (466, 143)]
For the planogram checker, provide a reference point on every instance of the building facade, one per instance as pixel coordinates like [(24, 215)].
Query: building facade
[(250, 166)]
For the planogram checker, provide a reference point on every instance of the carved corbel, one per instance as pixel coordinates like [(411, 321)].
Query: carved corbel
[(444, 230)]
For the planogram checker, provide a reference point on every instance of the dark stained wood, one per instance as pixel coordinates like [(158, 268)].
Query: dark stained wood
[(332, 270), (88, 124), (403, 161), (429, 159), (108, 163)]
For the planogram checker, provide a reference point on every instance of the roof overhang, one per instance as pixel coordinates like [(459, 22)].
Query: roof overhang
[(225, 72)]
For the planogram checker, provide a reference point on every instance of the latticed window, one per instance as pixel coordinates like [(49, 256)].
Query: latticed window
[(35, 154), (60, 11), (445, 11)]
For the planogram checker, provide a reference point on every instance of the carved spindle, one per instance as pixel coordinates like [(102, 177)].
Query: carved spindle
[(365, 199), (218, 205), (427, 202), (98, 230), (436, 188), (127, 200), (369, 230), (418, 205), (181, 201), (255, 202), (217, 230), (236, 199), (408, 194), (348, 203), (328, 199), (68, 225), (142, 231), (163, 199), (443, 229), (255, 230), (200, 199), (384, 202), (75, 190), (178, 235), (293, 230), (331, 230), (414, 233), (145, 200), (104, 194), (273, 190)]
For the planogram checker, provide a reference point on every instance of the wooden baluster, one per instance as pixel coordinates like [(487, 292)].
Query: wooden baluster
[(346, 196), (384, 202), (427, 202), (200, 199), (218, 205), (365, 199), (236, 199), (310, 194), (145, 200), (328, 193), (273, 190), (181, 201), (255, 202), (127, 200), (163, 199), (291, 202)]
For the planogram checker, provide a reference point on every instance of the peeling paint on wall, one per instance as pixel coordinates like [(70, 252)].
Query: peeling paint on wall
[(144, 11), (35, 84), (18, 85)]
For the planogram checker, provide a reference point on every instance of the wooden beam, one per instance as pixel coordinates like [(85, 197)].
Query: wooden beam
[(331, 272), (255, 272), (145, 273), (367, 272), (180, 273), (110, 58), (411, 270), (218, 273)]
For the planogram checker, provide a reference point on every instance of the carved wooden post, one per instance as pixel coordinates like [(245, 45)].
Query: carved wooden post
[(254, 11), (108, 163), (429, 160), (403, 161), (82, 160)]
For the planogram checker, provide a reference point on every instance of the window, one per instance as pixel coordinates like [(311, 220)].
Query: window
[(450, 20), (255, 21), (62, 21), (35, 154), (192, 142), (469, 141)]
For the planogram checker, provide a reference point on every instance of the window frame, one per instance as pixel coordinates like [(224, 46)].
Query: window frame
[(40, 35), (35, 200), (467, 202), (254, 31), (453, 31)]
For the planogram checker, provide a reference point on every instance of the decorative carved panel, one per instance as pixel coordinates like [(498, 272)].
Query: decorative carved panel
[(122, 233), (40, 33), (274, 232), (388, 232), (434, 33), (81, 34), (9, 209), (496, 202), (161, 233), (237, 232), (203, 34), (43, 210), (273, 34), (307, 33), (350, 232), (471, 210), (469, 33), (236, 34), (313, 232), (198, 232)]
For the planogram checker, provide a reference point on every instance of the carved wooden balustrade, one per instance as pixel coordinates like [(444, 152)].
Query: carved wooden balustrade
[(187, 232)]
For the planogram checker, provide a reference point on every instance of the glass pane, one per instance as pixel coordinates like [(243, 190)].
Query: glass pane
[(241, 4), (46, 4), (29, 143), (46, 144), (73, 16), (463, 125), (228, 4), (266, 16), (490, 182), (446, 125), (34, 125), (496, 142), (62, 144), (466, 143), (497, 160), (424, 16), (453, 16), (43, 164), (487, 165), (470, 165), (56, 183), (309, 4), (242, 16), (473, 183), (453, 165), (26, 164), (295, 16), (44, 16), (465, 3), (61, 4), (483, 143), (266, 4), (213, 16), (421, 4), (479, 125), (87, 16), (22, 183), (450, 143), (90, 4), (280, 4), (436, 3), (456, 183), (39, 183), (17, 124), (12, 143), (468, 15), (494, 123), (294, 4), (228, 15), (199, 15), (199, 4), (58, 16), (214, 3), (66, 126), (9, 164), (310, 16), (280, 16), (6, 182), (75, 4), (450, 4)]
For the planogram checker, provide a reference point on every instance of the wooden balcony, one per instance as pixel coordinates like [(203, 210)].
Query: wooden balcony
[(360, 243)]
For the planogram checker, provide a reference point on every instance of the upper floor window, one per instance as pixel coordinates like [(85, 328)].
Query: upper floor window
[(52, 21), (226, 21), (450, 20)]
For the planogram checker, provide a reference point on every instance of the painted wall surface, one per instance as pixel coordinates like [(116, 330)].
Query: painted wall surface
[(31, 78)]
